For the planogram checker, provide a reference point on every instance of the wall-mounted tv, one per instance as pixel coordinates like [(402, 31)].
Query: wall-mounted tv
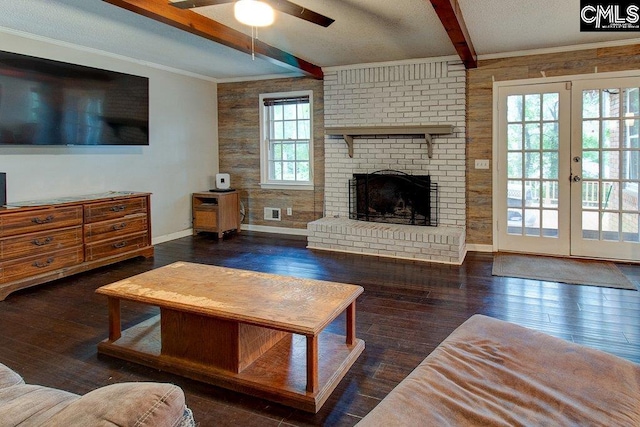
[(46, 102)]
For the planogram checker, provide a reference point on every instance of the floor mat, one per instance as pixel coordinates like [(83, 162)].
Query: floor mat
[(564, 270)]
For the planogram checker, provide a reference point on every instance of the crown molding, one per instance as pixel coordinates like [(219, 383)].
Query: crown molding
[(559, 49), (94, 51)]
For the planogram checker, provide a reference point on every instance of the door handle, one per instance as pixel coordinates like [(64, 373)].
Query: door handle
[(576, 178)]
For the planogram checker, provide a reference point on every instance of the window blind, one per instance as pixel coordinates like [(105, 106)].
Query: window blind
[(269, 102)]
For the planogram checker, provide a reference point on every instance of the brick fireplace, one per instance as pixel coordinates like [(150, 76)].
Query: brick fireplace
[(408, 95)]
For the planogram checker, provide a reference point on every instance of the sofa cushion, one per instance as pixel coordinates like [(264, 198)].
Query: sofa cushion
[(8, 377), (127, 404), (494, 373), (31, 405)]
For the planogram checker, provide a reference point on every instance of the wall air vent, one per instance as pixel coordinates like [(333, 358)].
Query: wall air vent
[(272, 214)]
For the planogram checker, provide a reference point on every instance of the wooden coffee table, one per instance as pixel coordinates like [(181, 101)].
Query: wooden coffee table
[(256, 333)]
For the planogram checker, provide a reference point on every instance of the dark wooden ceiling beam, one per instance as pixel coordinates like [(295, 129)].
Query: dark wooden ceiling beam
[(187, 20), (451, 17)]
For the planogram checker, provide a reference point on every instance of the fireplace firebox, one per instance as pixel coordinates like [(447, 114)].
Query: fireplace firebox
[(394, 197)]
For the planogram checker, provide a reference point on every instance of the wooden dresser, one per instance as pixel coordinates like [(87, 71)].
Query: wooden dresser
[(46, 240)]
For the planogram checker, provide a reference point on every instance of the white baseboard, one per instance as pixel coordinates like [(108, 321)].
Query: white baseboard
[(248, 227), (479, 248), (172, 236), (285, 230), (276, 230)]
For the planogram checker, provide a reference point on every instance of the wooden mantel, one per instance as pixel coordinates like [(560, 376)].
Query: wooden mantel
[(348, 133)]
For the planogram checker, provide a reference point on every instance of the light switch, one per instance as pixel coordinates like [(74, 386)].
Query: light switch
[(482, 163)]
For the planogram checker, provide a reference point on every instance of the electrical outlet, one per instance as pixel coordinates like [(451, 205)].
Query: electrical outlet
[(482, 163), (289, 211)]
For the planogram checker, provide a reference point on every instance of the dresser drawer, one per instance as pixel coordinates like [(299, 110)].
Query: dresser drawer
[(103, 211), (39, 243), (115, 228), (32, 221), (39, 264), (107, 248)]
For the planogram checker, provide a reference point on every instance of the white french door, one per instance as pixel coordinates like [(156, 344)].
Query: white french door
[(568, 168), (533, 168), (606, 166)]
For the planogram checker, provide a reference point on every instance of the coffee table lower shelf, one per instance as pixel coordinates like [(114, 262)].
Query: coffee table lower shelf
[(279, 375)]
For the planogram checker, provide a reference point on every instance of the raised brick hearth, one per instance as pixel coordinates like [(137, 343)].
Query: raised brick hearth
[(436, 244)]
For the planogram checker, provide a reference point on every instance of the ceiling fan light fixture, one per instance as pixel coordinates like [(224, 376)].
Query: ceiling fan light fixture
[(254, 13)]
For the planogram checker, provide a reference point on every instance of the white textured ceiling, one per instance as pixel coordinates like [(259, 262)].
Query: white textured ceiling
[(502, 26), (364, 31)]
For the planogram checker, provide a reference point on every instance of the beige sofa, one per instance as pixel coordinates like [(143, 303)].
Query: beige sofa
[(127, 404), (493, 373)]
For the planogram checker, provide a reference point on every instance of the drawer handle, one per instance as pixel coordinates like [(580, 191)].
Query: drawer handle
[(118, 208), (120, 226), (43, 242), (43, 264), (120, 245), (37, 220)]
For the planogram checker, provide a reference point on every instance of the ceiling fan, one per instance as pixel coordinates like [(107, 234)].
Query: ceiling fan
[(283, 6)]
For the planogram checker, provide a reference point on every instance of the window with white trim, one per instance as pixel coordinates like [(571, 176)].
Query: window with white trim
[(287, 142)]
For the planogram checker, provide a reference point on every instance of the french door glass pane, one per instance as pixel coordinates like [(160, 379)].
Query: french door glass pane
[(514, 108), (590, 104), (532, 164), (630, 228), (610, 227), (590, 225), (532, 107), (514, 136), (532, 222), (550, 165), (550, 106), (514, 168), (610, 134), (590, 164), (610, 196), (611, 164), (590, 195), (591, 134), (532, 136), (550, 136)]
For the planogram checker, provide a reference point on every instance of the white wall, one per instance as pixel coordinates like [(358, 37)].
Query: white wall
[(182, 156), (420, 93)]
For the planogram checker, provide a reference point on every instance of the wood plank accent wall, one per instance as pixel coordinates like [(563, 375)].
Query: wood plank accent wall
[(239, 151), (480, 113)]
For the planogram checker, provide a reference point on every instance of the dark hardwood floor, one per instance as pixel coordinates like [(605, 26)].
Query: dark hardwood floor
[(49, 332)]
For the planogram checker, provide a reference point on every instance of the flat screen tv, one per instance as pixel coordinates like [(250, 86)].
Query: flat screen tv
[(46, 102)]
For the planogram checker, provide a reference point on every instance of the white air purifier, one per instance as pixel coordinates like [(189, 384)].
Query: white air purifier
[(223, 181)]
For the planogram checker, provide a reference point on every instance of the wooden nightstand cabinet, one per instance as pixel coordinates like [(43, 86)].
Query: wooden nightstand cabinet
[(216, 212)]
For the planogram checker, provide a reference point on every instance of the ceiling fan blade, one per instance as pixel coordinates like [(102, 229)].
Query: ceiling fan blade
[(190, 4), (293, 9), (283, 6)]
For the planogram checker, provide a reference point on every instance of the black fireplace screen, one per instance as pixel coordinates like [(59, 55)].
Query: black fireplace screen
[(393, 197)]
